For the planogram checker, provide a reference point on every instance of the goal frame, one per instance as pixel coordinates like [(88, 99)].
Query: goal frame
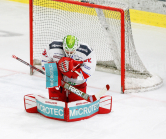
[(121, 11)]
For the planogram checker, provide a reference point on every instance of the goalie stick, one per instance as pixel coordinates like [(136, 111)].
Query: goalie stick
[(90, 98), (19, 59)]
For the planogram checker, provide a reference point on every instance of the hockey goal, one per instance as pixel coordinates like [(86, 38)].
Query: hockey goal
[(104, 25)]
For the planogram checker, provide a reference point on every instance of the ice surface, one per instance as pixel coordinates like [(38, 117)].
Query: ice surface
[(134, 116)]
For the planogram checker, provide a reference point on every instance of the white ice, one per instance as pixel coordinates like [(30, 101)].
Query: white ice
[(133, 116)]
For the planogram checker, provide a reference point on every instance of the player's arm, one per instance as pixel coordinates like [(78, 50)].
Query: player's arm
[(52, 53), (88, 66)]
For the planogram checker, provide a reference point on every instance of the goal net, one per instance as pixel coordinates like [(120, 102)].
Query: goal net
[(103, 24)]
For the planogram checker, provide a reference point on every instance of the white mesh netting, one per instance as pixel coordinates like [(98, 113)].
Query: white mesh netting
[(101, 29)]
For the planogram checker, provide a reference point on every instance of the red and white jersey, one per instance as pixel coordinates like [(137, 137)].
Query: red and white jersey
[(54, 52)]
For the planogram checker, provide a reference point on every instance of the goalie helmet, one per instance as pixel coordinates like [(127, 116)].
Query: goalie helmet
[(70, 44)]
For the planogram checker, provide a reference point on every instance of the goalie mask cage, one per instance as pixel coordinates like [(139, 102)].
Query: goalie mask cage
[(104, 25)]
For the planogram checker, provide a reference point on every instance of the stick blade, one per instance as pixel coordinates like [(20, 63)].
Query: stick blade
[(102, 92)]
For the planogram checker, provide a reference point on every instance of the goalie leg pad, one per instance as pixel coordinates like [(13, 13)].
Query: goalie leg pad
[(30, 103), (72, 111), (105, 104)]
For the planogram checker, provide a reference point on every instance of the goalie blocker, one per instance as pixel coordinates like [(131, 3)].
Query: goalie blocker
[(71, 111)]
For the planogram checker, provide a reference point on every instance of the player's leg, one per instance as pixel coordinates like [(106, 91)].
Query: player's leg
[(57, 94)]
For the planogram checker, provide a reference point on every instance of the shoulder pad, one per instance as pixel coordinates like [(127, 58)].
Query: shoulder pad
[(56, 45), (84, 49)]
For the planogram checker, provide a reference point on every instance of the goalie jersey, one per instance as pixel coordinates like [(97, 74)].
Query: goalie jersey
[(54, 52)]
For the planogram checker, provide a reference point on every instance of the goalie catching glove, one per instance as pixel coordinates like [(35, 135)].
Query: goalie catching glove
[(64, 64), (67, 66)]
